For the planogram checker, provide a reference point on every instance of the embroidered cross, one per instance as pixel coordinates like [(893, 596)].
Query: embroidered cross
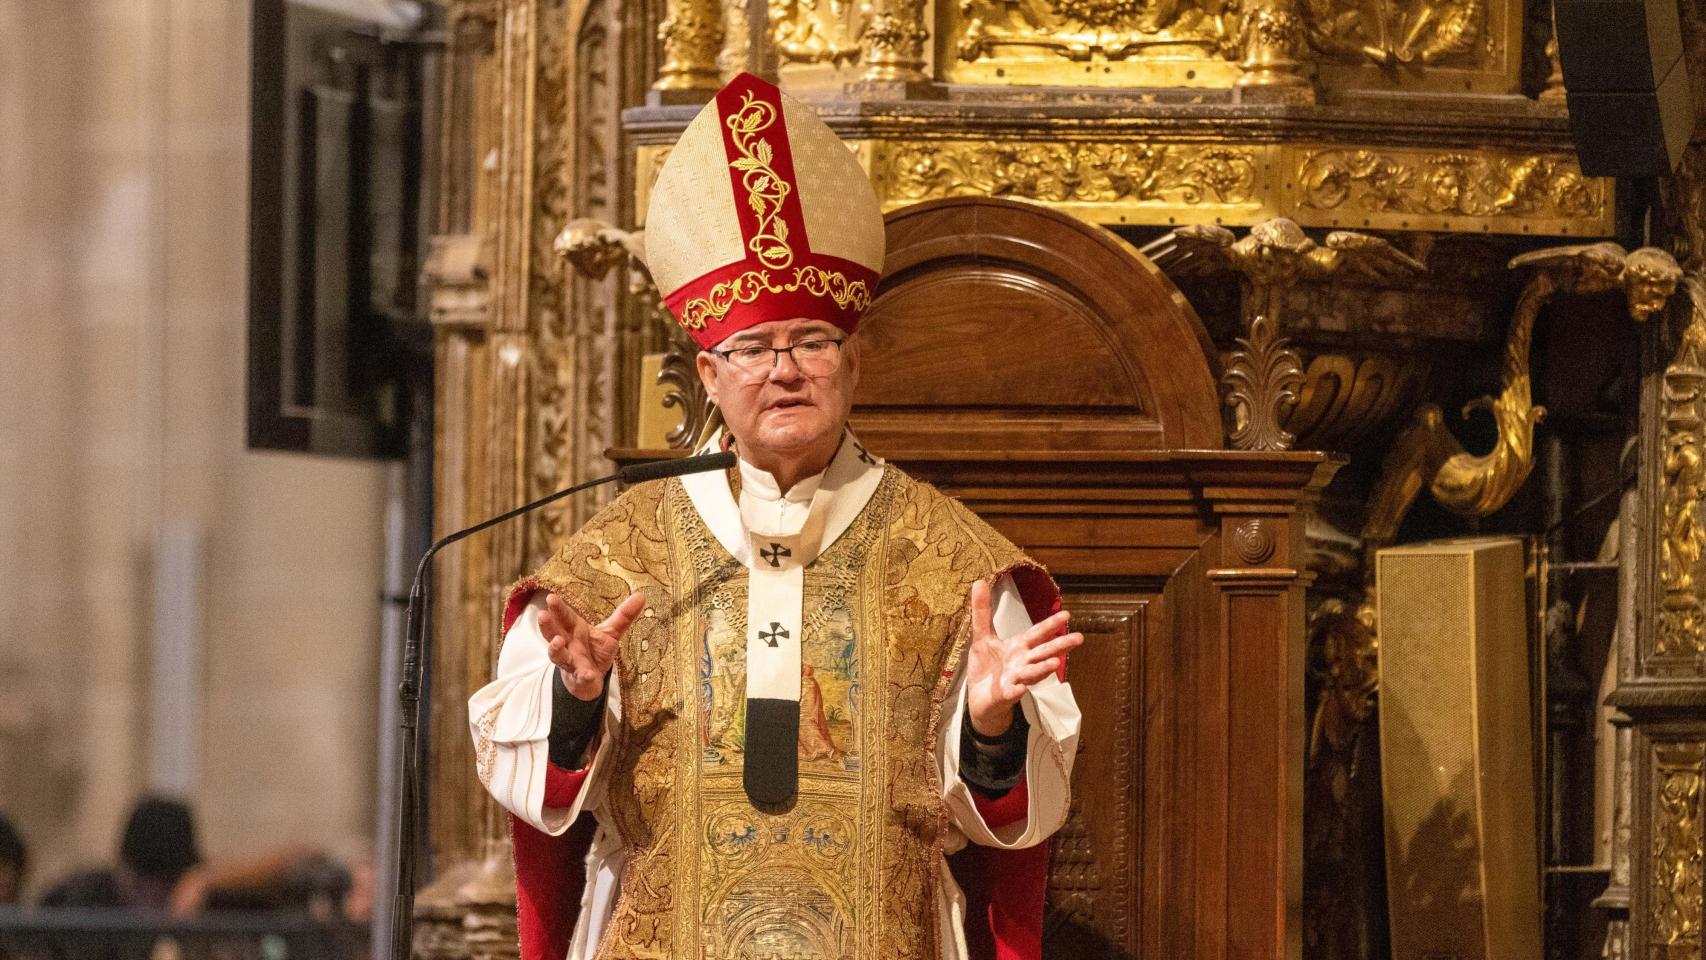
[(864, 454), (775, 631), (775, 554)]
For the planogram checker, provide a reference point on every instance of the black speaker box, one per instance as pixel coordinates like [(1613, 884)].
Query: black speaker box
[(1631, 106)]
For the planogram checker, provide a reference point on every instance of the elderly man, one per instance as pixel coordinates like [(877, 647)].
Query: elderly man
[(787, 692)]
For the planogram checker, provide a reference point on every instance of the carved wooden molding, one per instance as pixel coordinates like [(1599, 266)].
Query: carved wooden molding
[(1261, 383)]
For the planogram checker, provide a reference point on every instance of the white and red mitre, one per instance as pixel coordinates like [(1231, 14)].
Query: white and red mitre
[(761, 213)]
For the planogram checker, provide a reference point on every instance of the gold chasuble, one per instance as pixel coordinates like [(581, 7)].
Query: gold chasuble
[(849, 867)]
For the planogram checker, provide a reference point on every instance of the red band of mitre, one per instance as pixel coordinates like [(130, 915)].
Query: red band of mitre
[(744, 294)]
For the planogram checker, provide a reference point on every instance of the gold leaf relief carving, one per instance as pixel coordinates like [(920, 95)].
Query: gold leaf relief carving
[(813, 31), (1069, 172), (1450, 184), (1681, 629), (1400, 33), (1080, 30), (1675, 881)]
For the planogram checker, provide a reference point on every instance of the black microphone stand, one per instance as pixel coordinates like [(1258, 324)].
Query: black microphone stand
[(416, 631)]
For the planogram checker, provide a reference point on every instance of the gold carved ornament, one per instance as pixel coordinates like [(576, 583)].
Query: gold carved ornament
[(1065, 171), (594, 248), (1681, 628), (1471, 485), (1264, 375), (1088, 31), (799, 33), (692, 37), (1387, 33), (1678, 845), (1443, 190)]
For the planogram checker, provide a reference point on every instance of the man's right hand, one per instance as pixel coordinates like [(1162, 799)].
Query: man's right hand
[(583, 652)]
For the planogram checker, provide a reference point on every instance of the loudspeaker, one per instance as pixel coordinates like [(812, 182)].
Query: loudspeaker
[(1456, 757), (1626, 82)]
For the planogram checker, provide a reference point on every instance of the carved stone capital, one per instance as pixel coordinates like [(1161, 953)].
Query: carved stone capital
[(458, 274)]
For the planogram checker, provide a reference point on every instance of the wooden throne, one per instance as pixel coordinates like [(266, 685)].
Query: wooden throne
[(1046, 373)]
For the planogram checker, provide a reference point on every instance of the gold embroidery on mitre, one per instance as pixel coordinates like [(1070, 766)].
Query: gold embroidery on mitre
[(747, 287), (765, 191)]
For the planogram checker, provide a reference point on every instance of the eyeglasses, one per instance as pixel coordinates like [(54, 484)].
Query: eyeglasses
[(814, 358)]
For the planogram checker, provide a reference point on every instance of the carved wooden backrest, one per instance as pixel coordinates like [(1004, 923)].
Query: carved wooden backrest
[(1047, 374), (1007, 325)]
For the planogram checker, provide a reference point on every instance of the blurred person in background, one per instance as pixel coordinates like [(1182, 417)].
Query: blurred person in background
[(14, 862), (161, 869)]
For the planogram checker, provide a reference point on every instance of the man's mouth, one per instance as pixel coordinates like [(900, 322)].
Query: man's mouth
[(788, 403)]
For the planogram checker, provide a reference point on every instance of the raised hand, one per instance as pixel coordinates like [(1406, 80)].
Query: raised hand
[(1000, 670), (584, 651)]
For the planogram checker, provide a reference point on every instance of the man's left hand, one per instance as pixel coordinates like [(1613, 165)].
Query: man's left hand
[(999, 671)]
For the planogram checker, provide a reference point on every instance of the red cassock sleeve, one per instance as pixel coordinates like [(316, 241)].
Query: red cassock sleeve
[(1004, 889), (549, 871)]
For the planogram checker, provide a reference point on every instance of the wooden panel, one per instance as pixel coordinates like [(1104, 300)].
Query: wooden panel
[(1008, 326), (1094, 882)]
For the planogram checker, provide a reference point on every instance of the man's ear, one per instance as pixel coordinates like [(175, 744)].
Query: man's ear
[(850, 360), (706, 364)]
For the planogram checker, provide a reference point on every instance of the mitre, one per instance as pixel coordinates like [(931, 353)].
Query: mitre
[(761, 213)]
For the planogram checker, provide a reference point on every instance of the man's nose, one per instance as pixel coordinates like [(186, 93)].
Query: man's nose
[(783, 369)]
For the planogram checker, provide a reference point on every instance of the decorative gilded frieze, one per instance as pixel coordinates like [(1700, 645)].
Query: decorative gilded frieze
[(1089, 175), (1448, 191), (1114, 179), (1674, 891)]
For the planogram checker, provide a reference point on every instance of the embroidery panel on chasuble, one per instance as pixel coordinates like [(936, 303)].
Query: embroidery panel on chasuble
[(848, 870)]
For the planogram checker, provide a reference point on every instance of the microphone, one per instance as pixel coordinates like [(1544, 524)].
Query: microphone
[(414, 650)]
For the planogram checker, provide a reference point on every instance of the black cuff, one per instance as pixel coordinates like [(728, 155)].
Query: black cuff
[(995, 768), (573, 723)]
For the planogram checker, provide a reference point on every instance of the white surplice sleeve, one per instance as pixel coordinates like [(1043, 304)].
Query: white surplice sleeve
[(1049, 750), (510, 719)]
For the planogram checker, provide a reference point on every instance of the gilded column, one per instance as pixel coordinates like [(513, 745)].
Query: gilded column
[(893, 42), (1272, 41), (692, 35)]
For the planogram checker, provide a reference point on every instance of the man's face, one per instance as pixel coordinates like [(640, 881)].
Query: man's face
[(779, 407)]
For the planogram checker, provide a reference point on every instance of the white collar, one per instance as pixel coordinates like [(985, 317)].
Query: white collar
[(760, 484), (849, 481)]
